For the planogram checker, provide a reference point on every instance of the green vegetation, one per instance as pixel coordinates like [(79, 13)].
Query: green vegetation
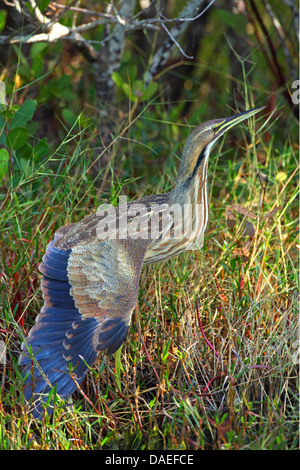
[(166, 388)]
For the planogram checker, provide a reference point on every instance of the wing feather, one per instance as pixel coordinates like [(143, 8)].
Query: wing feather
[(89, 293), (90, 289)]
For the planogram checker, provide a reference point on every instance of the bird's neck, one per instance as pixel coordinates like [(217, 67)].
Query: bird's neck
[(191, 186)]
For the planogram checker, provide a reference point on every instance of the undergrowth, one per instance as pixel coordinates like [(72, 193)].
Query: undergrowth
[(210, 361)]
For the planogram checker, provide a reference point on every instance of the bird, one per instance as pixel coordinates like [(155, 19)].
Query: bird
[(91, 271)]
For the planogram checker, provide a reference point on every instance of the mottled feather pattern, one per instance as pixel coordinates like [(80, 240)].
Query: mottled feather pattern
[(56, 339), (106, 274), (90, 288), (90, 284), (84, 312)]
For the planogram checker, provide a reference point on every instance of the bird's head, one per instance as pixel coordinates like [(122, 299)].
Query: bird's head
[(201, 140)]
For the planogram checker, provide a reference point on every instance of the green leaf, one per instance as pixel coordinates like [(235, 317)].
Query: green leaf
[(8, 113), (37, 65), (3, 15), (65, 87), (69, 116), (24, 114), (118, 80), (132, 73), (25, 152), (4, 158), (137, 90), (150, 90), (235, 21), (37, 49), (23, 163), (43, 4), (41, 149), (17, 137), (127, 90)]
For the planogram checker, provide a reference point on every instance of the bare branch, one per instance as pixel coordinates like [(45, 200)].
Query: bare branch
[(186, 17), (38, 14), (295, 12), (109, 57), (164, 52), (281, 35), (56, 31), (175, 42), (49, 29)]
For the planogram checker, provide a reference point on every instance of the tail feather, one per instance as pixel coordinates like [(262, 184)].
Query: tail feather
[(112, 336), (64, 341), (60, 336)]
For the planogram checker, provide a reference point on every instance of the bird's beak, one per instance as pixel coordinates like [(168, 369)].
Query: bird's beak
[(227, 123)]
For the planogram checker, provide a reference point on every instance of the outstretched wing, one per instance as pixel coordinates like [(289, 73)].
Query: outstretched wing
[(89, 291)]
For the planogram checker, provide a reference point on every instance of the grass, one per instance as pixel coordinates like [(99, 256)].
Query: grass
[(167, 388)]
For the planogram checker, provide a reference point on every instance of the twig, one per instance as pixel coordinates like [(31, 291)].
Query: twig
[(83, 394), (149, 358), (281, 81), (295, 14), (281, 35), (164, 52), (213, 379), (175, 42), (53, 31), (138, 417), (258, 366), (203, 333), (186, 17), (131, 23)]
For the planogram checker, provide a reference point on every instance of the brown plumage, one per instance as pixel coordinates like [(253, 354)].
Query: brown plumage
[(90, 284)]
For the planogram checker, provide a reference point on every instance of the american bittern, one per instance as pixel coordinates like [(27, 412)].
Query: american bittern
[(90, 282)]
